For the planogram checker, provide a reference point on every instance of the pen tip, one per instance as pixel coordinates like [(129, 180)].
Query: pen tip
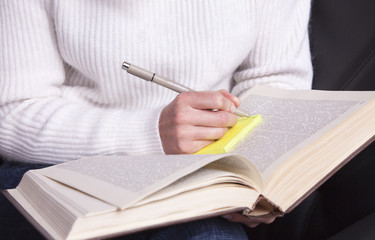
[(125, 65), (241, 113)]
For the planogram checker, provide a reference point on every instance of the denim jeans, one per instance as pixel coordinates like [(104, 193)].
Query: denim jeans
[(14, 226)]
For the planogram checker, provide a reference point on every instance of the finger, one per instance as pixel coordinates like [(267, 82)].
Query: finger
[(199, 144), (267, 220), (208, 133), (198, 117), (250, 222), (241, 219), (190, 147), (234, 99), (197, 133), (209, 118), (206, 100), (184, 146)]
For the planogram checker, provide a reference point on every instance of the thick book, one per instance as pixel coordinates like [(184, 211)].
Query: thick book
[(304, 137)]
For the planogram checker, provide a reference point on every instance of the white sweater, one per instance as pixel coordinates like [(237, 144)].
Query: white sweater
[(63, 94)]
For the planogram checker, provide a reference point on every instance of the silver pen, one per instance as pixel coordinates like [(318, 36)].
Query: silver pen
[(152, 77)]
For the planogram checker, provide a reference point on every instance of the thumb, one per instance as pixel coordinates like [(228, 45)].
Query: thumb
[(234, 99)]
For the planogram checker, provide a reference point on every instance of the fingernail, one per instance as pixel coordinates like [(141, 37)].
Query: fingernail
[(229, 217)]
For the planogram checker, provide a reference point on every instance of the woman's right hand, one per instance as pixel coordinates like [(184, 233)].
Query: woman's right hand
[(188, 123)]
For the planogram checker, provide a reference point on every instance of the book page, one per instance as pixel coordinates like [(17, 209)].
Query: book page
[(41, 188), (289, 119), (124, 180), (199, 179)]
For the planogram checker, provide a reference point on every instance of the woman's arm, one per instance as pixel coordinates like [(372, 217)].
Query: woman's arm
[(41, 122), (37, 123), (281, 54)]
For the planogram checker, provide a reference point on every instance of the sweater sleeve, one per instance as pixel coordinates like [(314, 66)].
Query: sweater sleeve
[(280, 56), (37, 124)]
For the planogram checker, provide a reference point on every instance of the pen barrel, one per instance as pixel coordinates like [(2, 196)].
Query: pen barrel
[(152, 77), (140, 72), (170, 84)]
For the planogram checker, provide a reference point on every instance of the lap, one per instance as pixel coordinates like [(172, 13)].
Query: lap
[(12, 224), (212, 228)]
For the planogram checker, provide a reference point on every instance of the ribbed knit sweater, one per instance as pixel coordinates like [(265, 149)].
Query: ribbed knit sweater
[(63, 94)]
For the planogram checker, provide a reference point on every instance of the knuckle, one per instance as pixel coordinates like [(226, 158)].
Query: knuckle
[(219, 133), (184, 147), (181, 99), (218, 100), (233, 119), (223, 90), (179, 118), (230, 118), (223, 119), (180, 132), (223, 132), (185, 96), (179, 147)]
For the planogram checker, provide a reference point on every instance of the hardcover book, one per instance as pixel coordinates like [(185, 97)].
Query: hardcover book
[(304, 137)]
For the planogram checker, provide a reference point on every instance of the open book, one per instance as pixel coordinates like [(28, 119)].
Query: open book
[(304, 137)]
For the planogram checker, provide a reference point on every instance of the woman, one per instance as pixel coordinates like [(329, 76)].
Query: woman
[(64, 96)]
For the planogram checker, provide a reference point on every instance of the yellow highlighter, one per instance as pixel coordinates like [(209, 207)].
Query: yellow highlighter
[(232, 136)]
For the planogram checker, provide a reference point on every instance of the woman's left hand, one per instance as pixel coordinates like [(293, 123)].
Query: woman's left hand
[(250, 222)]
